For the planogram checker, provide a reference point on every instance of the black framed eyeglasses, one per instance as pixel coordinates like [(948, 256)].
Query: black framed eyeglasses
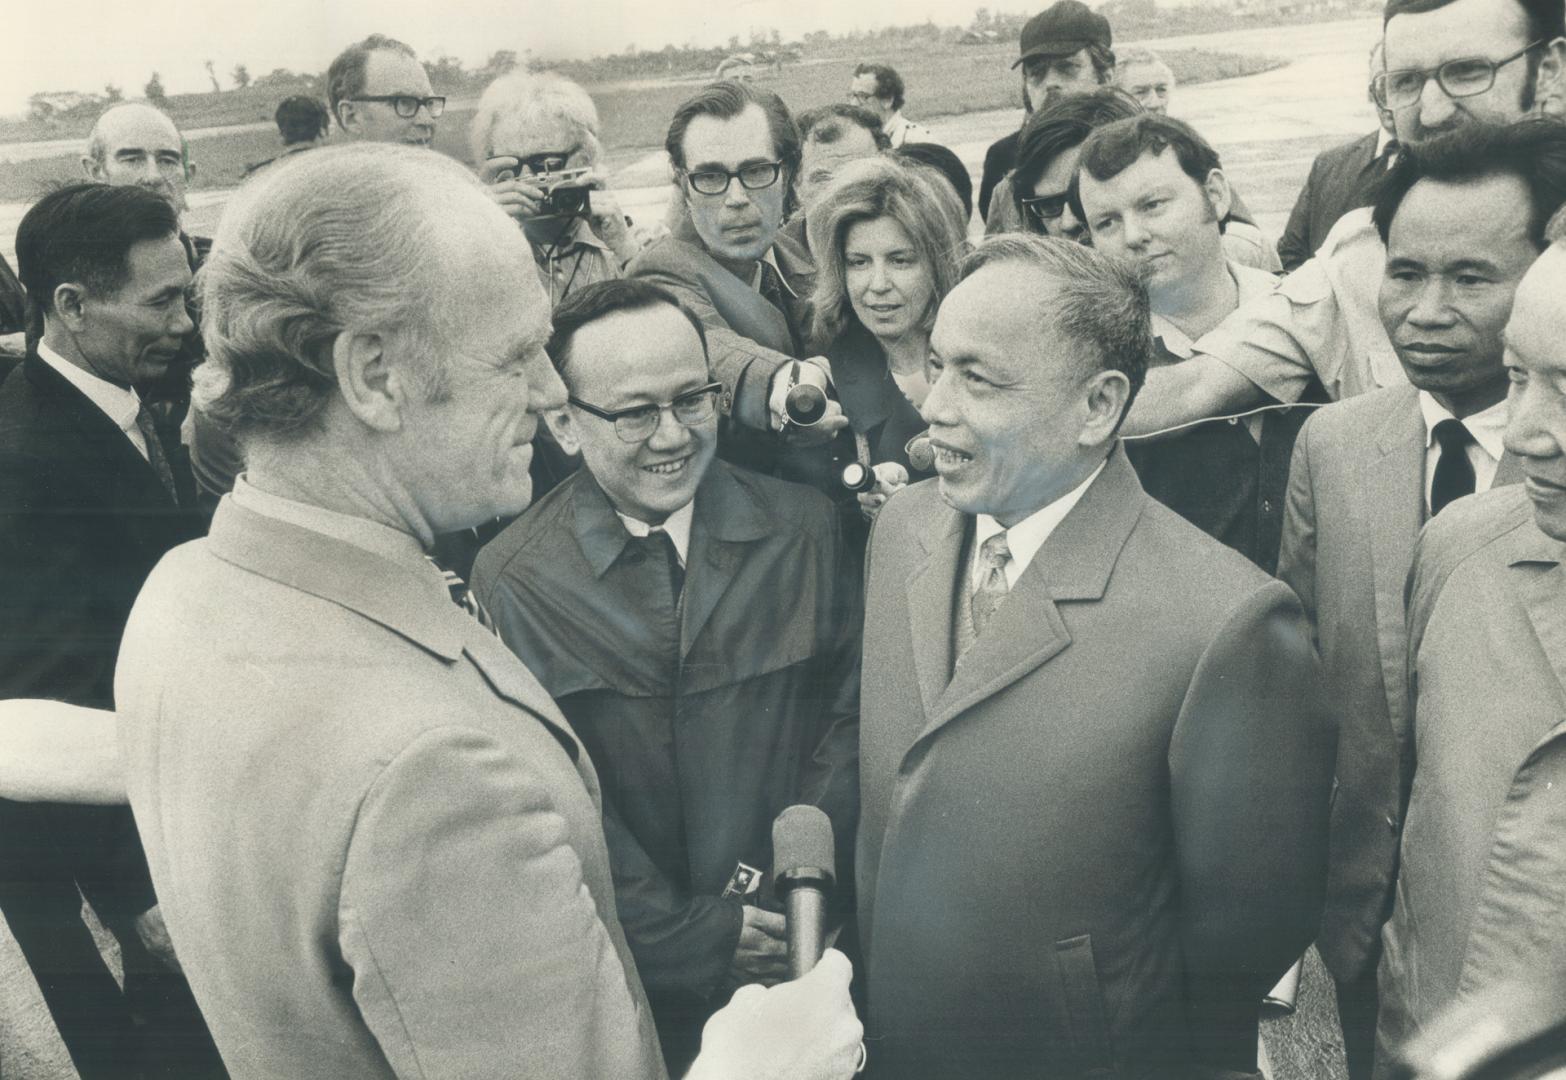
[(546, 161), (752, 177), (1046, 209), (638, 423), (407, 105), (1460, 78)]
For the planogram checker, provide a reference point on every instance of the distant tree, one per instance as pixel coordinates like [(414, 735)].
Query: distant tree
[(241, 76), (212, 74), (154, 90), (499, 63), (734, 43), (113, 94), (446, 72), (981, 18)]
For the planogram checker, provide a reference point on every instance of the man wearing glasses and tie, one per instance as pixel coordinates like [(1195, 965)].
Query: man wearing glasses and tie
[(735, 150), (379, 92), (698, 624)]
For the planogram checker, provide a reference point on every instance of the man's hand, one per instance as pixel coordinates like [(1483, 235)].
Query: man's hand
[(817, 371), (608, 222), (889, 476), (518, 195), (154, 937), (762, 953), (801, 1030)]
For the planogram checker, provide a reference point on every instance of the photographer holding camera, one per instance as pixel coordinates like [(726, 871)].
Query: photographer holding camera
[(535, 139)]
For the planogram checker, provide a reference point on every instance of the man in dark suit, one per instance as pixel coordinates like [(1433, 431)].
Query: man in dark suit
[(91, 496), (378, 842), (1095, 754), (1463, 221), (699, 626), (1341, 179), (1478, 890), (736, 151)]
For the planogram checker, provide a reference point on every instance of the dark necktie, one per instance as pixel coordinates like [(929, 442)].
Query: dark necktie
[(463, 597), (147, 425), (1454, 473), (659, 547), (1388, 154), (773, 293)]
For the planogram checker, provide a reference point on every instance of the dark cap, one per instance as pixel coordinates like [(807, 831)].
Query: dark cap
[(1062, 29)]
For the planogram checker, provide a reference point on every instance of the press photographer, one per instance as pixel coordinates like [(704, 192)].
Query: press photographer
[(535, 140)]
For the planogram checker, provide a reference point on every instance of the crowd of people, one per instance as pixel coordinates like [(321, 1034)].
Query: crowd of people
[(419, 600)]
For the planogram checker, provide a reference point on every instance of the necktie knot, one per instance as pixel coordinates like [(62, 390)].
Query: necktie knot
[(994, 553), (1453, 435)]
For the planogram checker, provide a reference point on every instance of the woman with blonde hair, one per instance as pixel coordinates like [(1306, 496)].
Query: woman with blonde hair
[(887, 236)]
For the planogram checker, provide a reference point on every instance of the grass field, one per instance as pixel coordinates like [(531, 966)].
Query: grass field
[(943, 80)]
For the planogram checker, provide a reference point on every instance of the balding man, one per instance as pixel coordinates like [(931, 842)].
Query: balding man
[(379, 92), (378, 842), (137, 143)]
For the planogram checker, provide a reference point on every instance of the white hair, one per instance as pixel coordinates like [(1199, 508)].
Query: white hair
[(1139, 54), (533, 100), (342, 239)]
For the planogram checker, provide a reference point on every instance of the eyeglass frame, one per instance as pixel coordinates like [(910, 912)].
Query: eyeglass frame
[(1030, 207), (1378, 85), (435, 103), (732, 175), (709, 391)]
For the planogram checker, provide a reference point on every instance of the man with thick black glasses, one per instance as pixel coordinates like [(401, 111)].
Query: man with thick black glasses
[(735, 151), (699, 625), (379, 92)]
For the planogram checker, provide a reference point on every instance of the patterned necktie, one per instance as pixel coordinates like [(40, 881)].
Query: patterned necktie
[(463, 597), (773, 293), (993, 557), (1454, 473), (155, 455)]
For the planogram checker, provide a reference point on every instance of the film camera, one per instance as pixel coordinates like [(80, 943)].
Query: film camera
[(566, 191)]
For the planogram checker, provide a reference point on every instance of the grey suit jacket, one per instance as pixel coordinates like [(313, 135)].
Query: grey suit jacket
[(1355, 506), (376, 841), (1479, 889), (1097, 841)]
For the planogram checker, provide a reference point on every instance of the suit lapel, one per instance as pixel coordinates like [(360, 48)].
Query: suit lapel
[(931, 589), (1027, 630), (1543, 589), (1392, 498)]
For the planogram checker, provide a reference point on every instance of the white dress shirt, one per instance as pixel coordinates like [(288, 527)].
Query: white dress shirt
[(1025, 538), (677, 525), (1484, 453), (119, 403)]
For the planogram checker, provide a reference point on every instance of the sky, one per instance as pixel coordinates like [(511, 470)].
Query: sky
[(123, 42)]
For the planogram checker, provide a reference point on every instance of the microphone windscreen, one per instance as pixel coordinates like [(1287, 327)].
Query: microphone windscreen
[(801, 839)]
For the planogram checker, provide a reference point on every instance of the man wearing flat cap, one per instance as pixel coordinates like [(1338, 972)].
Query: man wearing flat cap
[(1066, 49)]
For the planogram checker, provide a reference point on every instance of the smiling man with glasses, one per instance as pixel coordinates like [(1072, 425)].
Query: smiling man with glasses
[(735, 151), (379, 92), (699, 626)]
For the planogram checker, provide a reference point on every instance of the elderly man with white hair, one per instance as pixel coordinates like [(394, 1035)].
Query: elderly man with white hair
[(377, 841), (531, 136)]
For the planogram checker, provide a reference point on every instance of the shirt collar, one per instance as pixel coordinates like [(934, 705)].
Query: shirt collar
[(894, 123), (677, 525), (1025, 538), (120, 403), (577, 234), (1383, 140), (1486, 426), (771, 259), (391, 544)]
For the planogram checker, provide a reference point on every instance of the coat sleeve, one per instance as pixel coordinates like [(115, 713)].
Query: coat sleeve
[(1295, 246), (683, 944), (474, 942), (1250, 767), (743, 366)]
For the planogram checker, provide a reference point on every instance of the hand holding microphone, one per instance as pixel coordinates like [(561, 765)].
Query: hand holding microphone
[(874, 484), (800, 404)]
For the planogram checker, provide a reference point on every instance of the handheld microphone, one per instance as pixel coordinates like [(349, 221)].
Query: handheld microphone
[(802, 862), (858, 477), (806, 403), (921, 455)]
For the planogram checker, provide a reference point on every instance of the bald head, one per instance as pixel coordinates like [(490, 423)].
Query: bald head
[(138, 144)]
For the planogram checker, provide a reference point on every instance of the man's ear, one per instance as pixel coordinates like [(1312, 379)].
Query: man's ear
[(92, 168), (372, 387), (1550, 86), (69, 299), (1218, 194), (347, 116), (563, 426), (1107, 393)]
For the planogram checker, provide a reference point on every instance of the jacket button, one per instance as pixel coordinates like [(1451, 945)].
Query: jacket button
[(1392, 823), (1266, 506)]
